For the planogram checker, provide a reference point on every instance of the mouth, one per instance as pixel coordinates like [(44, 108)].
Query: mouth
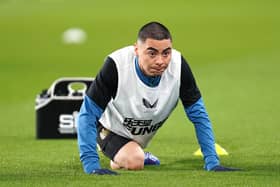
[(157, 71), (160, 69)]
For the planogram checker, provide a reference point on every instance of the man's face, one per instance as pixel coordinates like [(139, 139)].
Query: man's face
[(153, 56)]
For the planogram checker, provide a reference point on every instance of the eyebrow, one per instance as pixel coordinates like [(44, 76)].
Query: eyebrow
[(154, 49)]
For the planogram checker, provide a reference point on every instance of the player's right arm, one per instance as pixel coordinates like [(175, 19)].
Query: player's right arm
[(97, 97), (88, 115)]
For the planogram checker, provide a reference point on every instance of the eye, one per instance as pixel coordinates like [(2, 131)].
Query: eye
[(166, 53), (152, 54)]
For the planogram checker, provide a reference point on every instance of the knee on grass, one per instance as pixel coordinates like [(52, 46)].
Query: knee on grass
[(135, 162)]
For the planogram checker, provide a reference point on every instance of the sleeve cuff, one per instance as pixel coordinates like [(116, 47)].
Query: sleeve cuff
[(211, 162)]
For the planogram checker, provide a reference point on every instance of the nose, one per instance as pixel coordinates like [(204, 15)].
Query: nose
[(159, 60)]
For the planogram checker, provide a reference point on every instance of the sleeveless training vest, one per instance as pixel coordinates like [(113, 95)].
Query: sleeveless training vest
[(138, 110)]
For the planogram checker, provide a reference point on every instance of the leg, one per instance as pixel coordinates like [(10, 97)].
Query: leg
[(123, 152), (130, 156), (114, 165)]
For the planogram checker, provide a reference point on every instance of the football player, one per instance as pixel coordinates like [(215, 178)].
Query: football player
[(131, 97)]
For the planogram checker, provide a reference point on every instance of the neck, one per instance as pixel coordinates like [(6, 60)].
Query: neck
[(151, 81)]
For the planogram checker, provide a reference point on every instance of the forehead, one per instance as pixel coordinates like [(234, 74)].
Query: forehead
[(156, 44)]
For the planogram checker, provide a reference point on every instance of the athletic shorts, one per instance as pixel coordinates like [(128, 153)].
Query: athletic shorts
[(109, 142)]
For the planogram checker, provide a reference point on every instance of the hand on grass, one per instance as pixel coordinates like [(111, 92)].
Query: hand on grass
[(220, 168), (103, 172)]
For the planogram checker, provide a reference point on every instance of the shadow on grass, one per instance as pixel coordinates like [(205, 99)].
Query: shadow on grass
[(192, 164), (72, 170), (180, 164)]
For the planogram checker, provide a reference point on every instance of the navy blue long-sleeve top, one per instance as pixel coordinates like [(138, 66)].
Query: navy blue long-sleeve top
[(104, 88)]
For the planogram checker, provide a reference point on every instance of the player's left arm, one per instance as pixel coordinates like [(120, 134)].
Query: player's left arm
[(197, 114)]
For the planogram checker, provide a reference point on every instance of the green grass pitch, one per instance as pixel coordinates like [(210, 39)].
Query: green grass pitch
[(232, 47)]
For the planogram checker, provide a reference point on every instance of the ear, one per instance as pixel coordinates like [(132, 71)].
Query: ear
[(136, 48)]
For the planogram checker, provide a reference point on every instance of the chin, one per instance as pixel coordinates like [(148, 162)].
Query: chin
[(157, 74)]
